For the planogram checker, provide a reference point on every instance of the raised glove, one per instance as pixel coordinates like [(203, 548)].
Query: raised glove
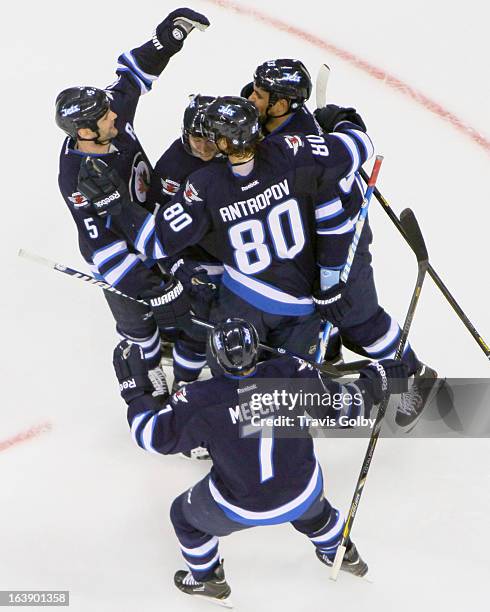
[(247, 90), (329, 116), (178, 24), (333, 304), (169, 304), (102, 186), (385, 377), (131, 371)]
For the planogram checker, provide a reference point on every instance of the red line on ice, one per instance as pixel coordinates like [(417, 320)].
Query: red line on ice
[(25, 436), (377, 73)]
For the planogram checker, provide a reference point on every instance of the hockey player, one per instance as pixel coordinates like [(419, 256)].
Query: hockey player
[(197, 270), (259, 477), (256, 215), (99, 124), (279, 91)]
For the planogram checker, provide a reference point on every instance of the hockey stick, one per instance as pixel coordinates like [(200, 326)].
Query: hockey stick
[(416, 241), (432, 273), (327, 327), (331, 371), (321, 85)]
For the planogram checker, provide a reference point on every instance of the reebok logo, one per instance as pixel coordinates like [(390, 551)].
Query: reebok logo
[(384, 380), (250, 185), (127, 384), (101, 203)]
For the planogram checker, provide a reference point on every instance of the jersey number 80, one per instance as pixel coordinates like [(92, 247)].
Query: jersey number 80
[(248, 238)]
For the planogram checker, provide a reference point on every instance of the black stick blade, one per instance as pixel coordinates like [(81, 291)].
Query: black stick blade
[(414, 235)]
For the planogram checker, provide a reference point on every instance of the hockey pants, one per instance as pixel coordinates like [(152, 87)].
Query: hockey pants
[(199, 521)]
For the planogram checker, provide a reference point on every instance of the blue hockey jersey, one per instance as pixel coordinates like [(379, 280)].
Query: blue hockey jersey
[(263, 227), (262, 473), (104, 246)]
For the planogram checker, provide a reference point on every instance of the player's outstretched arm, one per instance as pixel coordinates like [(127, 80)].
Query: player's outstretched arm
[(357, 397), (164, 424), (148, 61)]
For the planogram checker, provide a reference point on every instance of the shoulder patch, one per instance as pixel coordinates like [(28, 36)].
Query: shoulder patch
[(77, 199), (170, 187), (190, 194), (294, 143), (180, 396)]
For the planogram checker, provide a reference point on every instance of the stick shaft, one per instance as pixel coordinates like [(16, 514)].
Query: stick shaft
[(280, 352), (433, 274), (327, 327), (422, 266)]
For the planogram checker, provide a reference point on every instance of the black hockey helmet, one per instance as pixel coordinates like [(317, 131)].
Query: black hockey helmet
[(80, 107), (234, 344), (284, 78), (193, 117), (233, 118)]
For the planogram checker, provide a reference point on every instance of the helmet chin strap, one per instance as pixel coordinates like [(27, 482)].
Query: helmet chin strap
[(271, 104), (95, 140)]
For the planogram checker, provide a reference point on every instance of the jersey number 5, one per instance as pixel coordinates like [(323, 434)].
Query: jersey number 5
[(248, 238)]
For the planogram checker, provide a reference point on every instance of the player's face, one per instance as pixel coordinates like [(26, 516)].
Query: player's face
[(202, 148), (260, 99), (106, 125)]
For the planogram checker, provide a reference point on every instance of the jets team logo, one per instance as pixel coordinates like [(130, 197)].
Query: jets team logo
[(190, 194), (77, 199), (180, 396), (294, 143), (140, 179), (292, 77), (226, 109), (170, 187)]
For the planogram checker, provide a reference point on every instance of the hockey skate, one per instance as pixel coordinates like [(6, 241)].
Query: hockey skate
[(351, 562), (216, 589), (159, 382), (422, 390)]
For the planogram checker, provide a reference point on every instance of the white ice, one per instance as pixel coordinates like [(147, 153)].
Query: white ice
[(84, 510)]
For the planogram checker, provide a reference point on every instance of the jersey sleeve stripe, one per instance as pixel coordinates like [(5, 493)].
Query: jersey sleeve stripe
[(115, 274), (344, 228), (103, 255), (158, 252), (128, 60), (143, 88), (328, 210), (351, 146), (366, 142), (144, 234), (137, 422)]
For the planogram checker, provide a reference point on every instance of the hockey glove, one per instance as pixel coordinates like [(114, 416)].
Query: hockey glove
[(329, 116), (195, 280), (177, 25), (333, 304), (170, 305), (102, 186), (131, 371), (247, 90), (385, 377)]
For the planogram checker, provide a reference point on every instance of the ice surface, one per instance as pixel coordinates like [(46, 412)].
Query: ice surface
[(81, 507)]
